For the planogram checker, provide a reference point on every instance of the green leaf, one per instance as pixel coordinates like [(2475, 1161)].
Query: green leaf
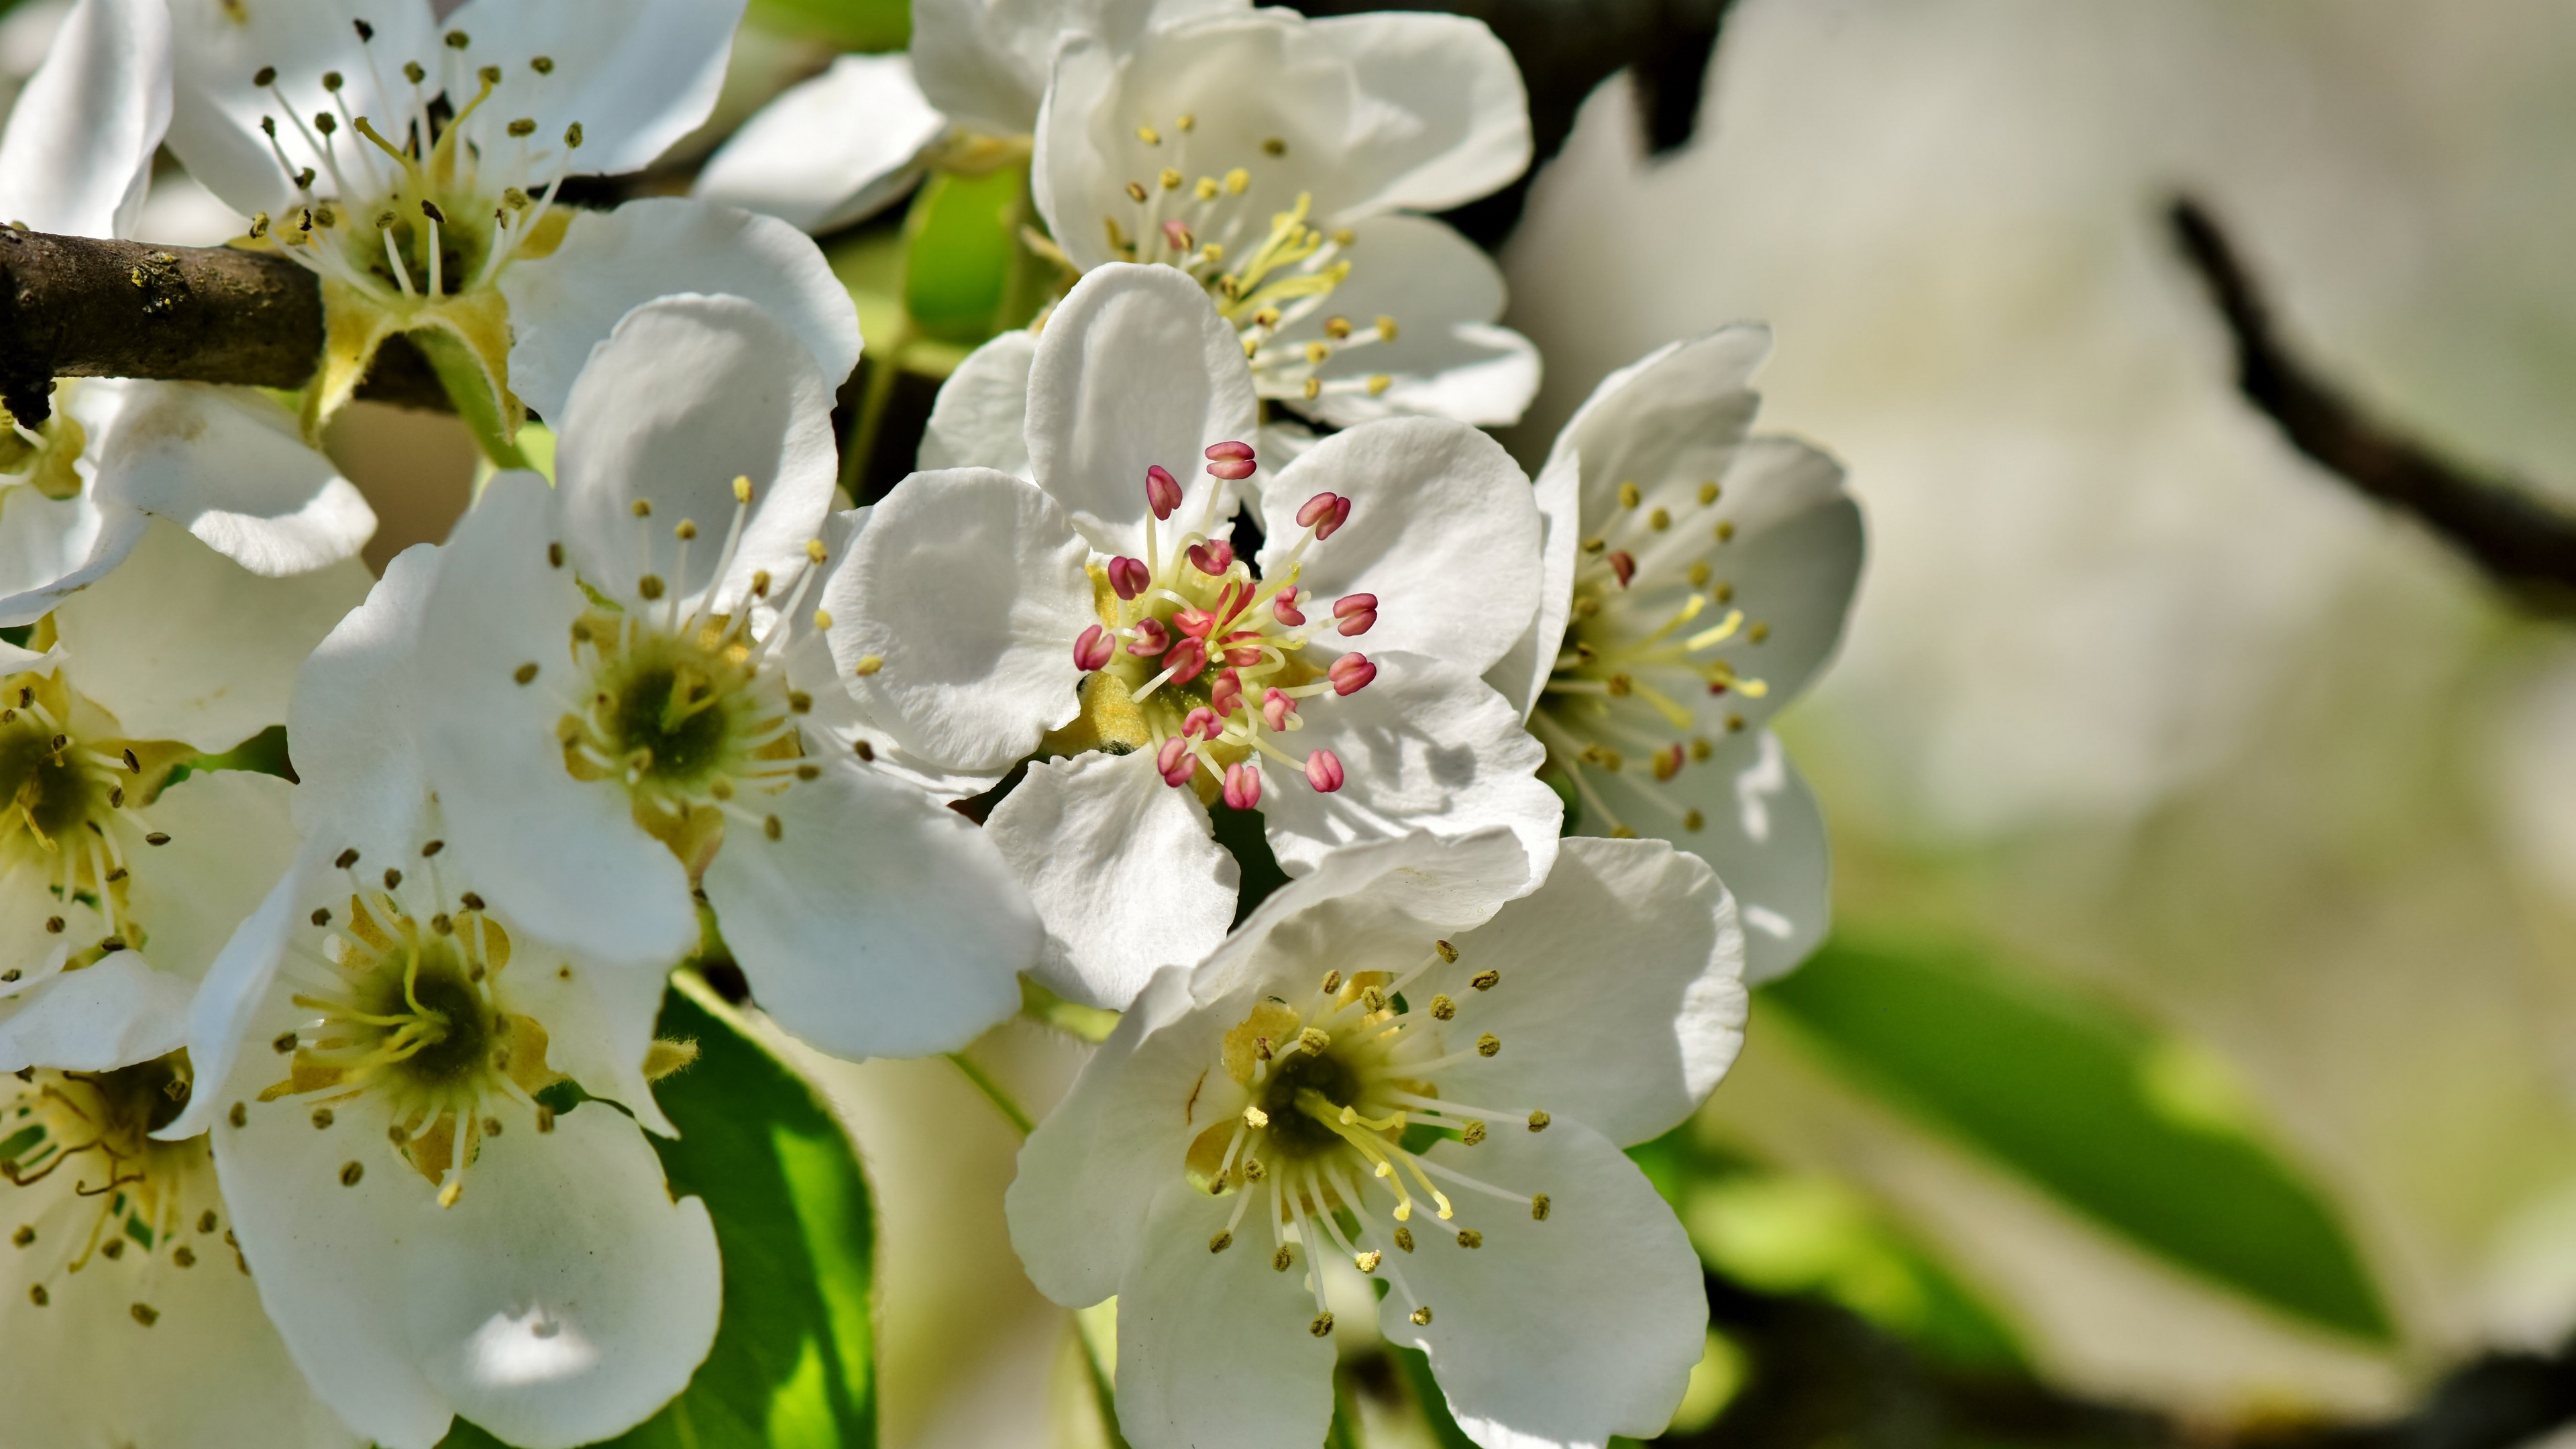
[(2092, 1104), (793, 1365), (966, 274), (870, 25)]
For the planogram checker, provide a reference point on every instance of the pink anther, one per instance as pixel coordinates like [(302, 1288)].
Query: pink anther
[(1277, 709), (1197, 623), (1333, 525), (1226, 695), (1623, 564), (1129, 577), (1187, 661), (1212, 557), (1203, 723), (1242, 648), (1231, 461), (1162, 491), (1175, 762), (1179, 236), (1094, 649), (1317, 509), (1324, 771), (1351, 673), (1284, 608), (1242, 785), (1151, 639), (1357, 612)]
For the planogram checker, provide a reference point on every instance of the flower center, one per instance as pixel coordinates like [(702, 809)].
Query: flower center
[(1268, 278), (411, 1017), (406, 207), (1203, 662), (42, 457), (1340, 1091), (91, 1184), (70, 810), (1651, 628)]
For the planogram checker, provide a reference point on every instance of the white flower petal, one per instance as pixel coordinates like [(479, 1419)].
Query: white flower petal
[(1520, 673), (184, 644), (229, 465), (76, 156), (968, 588), (877, 922), (599, 1020), (51, 549), (828, 151), (231, 837), (563, 856), (1092, 1169), (217, 53), (1446, 118), (113, 1014), (1669, 1007), (985, 62), (1363, 897), (354, 721), (1448, 360), (1426, 745), (1213, 1348), (565, 304), (981, 417), (1679, 412), (1563, 1332), (1795, 564), (636, 74), (564, 1298), (1442, 529), (236, 988), (1136, 369), (1122, 869)]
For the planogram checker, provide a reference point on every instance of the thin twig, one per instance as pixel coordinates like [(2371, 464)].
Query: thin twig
[(2524, 542)]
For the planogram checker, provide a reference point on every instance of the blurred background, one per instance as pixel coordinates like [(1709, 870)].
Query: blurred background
[(2196, 1054)]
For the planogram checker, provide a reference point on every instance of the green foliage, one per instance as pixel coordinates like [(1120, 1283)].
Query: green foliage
[(967, 276), (869, 25), (793, 1365), (2092, 1105)]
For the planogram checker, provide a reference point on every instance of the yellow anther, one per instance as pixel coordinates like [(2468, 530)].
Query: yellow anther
[(1251, 347), (1220, 1242), (1692, 821), (1538, 1208), (1485, 980), (1723, 593), (1404, 1239), (1314, 388), (1318, 351), (1238, 181), (1188, 122), (1628, 495), (1698, 573), (741, 489), (814, 550), (1149, 135), (868, 664), (1367, 1262), (1488, 1044), (1623, 832), (1758, 633), (1171, 179), (1473, 1134), (1207, 188), (525, 673), (1386, 329), (1659, 520), (1273, 146), (1255, 1118), (1707, 494), (1442, 1008), (1253, 1171), (642, 508), (1280, 1260), (1378, 383), (1314, 1040), (687, 529), (1332, 982), (650, 586), (1470, 1238), (1621, 686), (448, 1195), (1725, 531), (1735, 724), (1322, 1327), (1700, 748), (1538, 1121), (771, 827), (760, 583), (1136, 192), (1422, 1316)]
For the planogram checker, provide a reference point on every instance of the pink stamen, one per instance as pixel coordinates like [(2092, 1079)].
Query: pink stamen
[(1317, 509), (1357, 612), (1277, 709), (1351, 673), (1284, 608), (1324, 771), (1242, 786), (1240, 654), (1202, 722), (1162, 491), (1212, 557), (1623, 564), (1231, 461), (1175, 762), (1226, 695), (1179, 236), (1129, 577), (1094, 649), (1151, 639), (1341, 515), (1188, 660), (1197, 623)]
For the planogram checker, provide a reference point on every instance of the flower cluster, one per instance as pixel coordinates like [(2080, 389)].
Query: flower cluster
[(1210, 564)]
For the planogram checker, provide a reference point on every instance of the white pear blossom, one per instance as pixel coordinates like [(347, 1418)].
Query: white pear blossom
[(1283, 163), (834, 149), (129, 1313), (612, 687), (117, 888), (1100, 618), (416, 167), (76, 486), (1698, 579), (430, 1238), (1389, 1065)]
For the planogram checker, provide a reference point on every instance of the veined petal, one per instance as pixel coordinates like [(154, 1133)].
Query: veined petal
[(981, 417), (875, 921), (1567, 1331), (1446, 118), (354, 720), (828, 151), (1427, 746), (563, 305), (1679, 411), (1447, 359), (229, 465), (687, 395), (1213, 1348), (636, 74), (218, 54), (1522, 671), (230, 836), (984, 62), (599, 1023), (236, 988), (1122, 869), (113, 1014), (1442, 529), (51, 549), (182, 643), (1134, 370), (967, 591), (76, 156)]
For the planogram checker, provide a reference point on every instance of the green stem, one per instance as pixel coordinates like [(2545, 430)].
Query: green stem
[(875, 392), (993, 1092), (1104, 1395)]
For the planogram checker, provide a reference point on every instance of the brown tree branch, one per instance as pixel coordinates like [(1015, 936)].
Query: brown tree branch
[(80, 307), (2521, 540)]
